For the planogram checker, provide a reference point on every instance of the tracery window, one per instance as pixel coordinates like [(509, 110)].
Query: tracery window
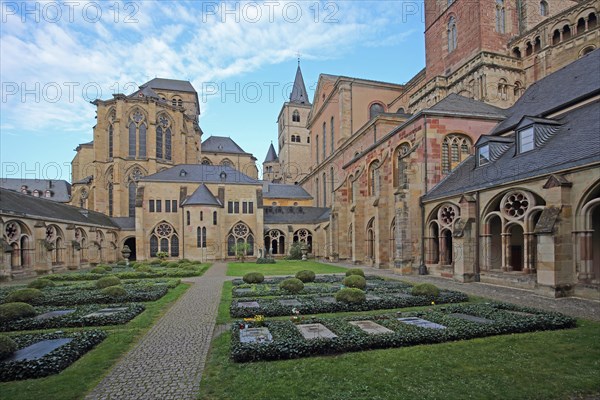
[(132, 181), (240, 234), (401, 179), (165, 238), (374, 179), (163, 138), (111, 119), (452, 34), (500, 17), (137, 134), (451, 156), (304, 236), (296, 116)]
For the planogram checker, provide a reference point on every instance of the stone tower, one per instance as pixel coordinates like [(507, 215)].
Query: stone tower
[(293, 136), (271, 166)]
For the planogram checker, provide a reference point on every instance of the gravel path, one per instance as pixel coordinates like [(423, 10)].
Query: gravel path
[(167, 362)]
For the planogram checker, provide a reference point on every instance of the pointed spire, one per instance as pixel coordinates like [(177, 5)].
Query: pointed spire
[(299, 94), (271, 154)]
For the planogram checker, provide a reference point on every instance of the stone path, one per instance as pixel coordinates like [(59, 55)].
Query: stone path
[(167, 362), (573, 306)]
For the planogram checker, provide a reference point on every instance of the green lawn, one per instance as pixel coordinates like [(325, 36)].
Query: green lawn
[(88, 371), (283, 267), (542, 365)]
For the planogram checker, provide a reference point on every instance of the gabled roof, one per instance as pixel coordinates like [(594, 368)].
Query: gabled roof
[(15, 203), (460, 104), (201, 197), (221, 144), (574, 143), (60, 190), (576, 81), (145, 91), (201, 174), (295, 215), (299, 94), (271, 154), (169, 84), (283, 191)]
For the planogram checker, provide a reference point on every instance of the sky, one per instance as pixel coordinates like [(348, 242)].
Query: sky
[(241, 57)]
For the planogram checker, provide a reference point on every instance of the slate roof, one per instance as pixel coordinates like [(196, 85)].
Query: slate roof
[(221, 144), (575, 143), (283, 191), (201, 173), (61, 190), (169, 84), (202, 196), (299, 94), (15, 203), (460, 104), (125, 223), (271, 154), (295, 215), (577, 80)]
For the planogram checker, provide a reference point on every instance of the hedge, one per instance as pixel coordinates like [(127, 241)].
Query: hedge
[(53, 362), (77, 318), (289, 343), (271, 307), (199, 269)]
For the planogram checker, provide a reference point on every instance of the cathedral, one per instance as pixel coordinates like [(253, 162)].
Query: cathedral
[(483, 167)]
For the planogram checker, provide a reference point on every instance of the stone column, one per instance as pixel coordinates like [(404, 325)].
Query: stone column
[(506, 261)]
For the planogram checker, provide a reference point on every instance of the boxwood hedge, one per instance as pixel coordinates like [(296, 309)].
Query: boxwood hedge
[(53, 362), (77, 318), (129, 273), (289, 343)]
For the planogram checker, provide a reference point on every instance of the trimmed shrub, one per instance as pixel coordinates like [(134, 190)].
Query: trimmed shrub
[(142, 268), (253, 277), (350, 295), (12, 311), (106, 267), (355, 281), (114, 291), (295, 251), (172, 264), (107, 281), (23, 296), (164, 263), (305, 276), (185, 260), (98, 270), (425, 289), (41, 283), (292, 285), (355, 271), (265, 261), (7, 346), (121, 262)]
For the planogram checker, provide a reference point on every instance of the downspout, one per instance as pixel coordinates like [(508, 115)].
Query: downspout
[(477, 238), (423, 267), (182, 232)]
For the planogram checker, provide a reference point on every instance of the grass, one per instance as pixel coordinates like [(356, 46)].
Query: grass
[(542, 365), (282, 267), (88, 371)]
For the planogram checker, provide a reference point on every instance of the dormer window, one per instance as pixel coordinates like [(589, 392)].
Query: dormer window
[(48, 193), (525, 140), (483, 155), (36, 193)]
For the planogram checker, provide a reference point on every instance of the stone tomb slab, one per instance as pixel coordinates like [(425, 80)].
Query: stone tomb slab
[(371, 327), (423, 323), (52, 314), (315, 331), (106, 311), (327, 299), (248, 304), (472, 318), (402, 295), (255, 335), (520, 313), (290, 302), (372, 297), (242, 290), (38, 350)]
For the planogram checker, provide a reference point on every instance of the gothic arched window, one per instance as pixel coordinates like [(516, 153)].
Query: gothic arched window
[(374, 179), (137, 135), (500, 17), (400, 178), (165, 235), (133, 179), (543, 8), (332, 135), (452, 34), (296, 116), (455, 149)]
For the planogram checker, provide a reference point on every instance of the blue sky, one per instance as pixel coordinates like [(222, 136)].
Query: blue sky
[(55, 57)]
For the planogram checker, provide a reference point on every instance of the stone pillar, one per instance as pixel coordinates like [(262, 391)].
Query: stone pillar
[(506, 256)]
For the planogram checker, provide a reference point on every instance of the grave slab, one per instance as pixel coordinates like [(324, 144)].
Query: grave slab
[(255, 335), (248, 304), (520, 313), (472, 318), (315, 331), (106, 311), (402, 295), (290, 302), (423, 323), (372, 297), (38, 350), (327, 299), (242, 291), (52, 314), (371, 327)]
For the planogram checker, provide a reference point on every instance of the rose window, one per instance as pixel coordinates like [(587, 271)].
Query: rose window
[(302, 233), (77, 235), (164, 121), (136, 175), (50, 234), (516, 204), (164, 230), (274, 234), (447, 214), (240, 230), (137, 117), (112, 116), (84, 194), (13, 231)]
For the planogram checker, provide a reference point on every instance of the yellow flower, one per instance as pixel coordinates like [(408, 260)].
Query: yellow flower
[(433, 303)]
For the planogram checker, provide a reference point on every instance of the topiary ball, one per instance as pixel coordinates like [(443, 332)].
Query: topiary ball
[(12, 311), (305, 276), (142, 268), (173, 264), (114, 291), (107, 281), (121, 262), (425, 289), (355, 281), (24, 296), (253, 277), (7, 346), (98, 270), (350, 295), (292, 285), (165, 263), (41, 283), (355, 271)]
